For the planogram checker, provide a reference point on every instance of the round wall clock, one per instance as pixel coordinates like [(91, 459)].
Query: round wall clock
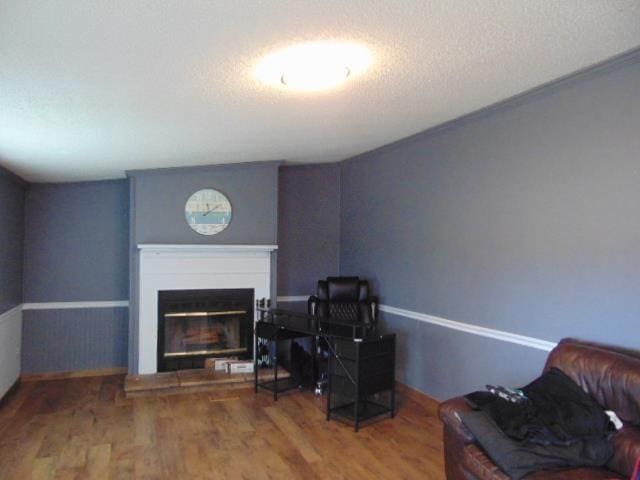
[(208, 211)]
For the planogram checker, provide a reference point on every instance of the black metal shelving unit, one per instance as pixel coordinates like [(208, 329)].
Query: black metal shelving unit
[(361, 378), (273, 333), (361, 366)]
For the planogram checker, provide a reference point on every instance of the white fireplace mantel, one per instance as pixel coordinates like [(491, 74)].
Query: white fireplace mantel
[(193, 267), (177, 247)]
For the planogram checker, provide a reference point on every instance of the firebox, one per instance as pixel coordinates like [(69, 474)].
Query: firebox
[(194, 325)]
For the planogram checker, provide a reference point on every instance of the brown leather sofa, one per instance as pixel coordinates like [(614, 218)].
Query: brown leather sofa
[(611, 375)]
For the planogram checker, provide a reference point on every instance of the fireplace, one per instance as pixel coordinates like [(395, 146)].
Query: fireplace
[(194, 325), (166, 267)]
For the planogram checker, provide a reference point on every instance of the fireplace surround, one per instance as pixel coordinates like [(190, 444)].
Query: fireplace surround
[(165, 267)]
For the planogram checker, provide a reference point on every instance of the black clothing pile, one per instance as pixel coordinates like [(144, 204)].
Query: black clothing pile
[(557, 425)]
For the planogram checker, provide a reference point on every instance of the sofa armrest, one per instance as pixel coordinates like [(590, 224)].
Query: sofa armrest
[(449, 412), (626, 447)]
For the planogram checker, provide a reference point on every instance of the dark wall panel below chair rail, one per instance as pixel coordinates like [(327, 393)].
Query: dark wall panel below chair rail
[(443, 363), (65, 340)]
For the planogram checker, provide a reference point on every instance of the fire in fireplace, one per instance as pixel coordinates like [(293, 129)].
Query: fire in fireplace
[(194, 325)]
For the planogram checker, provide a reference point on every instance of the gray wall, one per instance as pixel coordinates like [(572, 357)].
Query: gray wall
[(522, 218), (308, 227), (158, 198), (76, 249), (12, 192), (77, 242)]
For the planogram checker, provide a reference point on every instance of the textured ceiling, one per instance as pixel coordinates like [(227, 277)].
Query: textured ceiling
[(90, 89)]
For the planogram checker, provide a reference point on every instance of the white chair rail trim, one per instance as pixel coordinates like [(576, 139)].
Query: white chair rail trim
[(473, 329), (509, 337), (71, 305), (299, 298)]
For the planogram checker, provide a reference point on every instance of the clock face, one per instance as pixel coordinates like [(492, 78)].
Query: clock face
[(208, 211)]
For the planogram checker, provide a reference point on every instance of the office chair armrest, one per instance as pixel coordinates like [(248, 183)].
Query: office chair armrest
[(312, 305), (373, 304)]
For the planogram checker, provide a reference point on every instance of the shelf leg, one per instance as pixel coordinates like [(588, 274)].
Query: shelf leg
[(393, 377), (356, 414), (275, 372), (393, 401), (329, 375), (255, 362), (357, 385)]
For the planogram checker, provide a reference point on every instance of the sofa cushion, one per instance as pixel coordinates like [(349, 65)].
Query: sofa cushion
[(612, 377), (574, 474), (476, 461)]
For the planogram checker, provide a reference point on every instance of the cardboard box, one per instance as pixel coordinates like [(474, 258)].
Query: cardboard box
[(221, 363), (240, 366)]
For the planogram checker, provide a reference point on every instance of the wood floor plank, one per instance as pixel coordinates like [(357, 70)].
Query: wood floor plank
[(74, 453), (98, 459), (43, 468), (148, 463), (85, 428), (295, 434), (57, 433)]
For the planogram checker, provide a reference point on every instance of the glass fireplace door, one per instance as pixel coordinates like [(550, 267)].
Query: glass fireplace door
[(203, 333)]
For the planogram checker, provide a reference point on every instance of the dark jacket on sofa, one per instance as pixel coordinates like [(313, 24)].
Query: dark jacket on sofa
[(555, 411), (610, 375), (558, 425)]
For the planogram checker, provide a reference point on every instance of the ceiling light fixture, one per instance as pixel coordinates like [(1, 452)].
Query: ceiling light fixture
[(314, 66)]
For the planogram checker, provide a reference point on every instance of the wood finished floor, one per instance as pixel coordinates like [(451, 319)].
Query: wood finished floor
[(86, 428)]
